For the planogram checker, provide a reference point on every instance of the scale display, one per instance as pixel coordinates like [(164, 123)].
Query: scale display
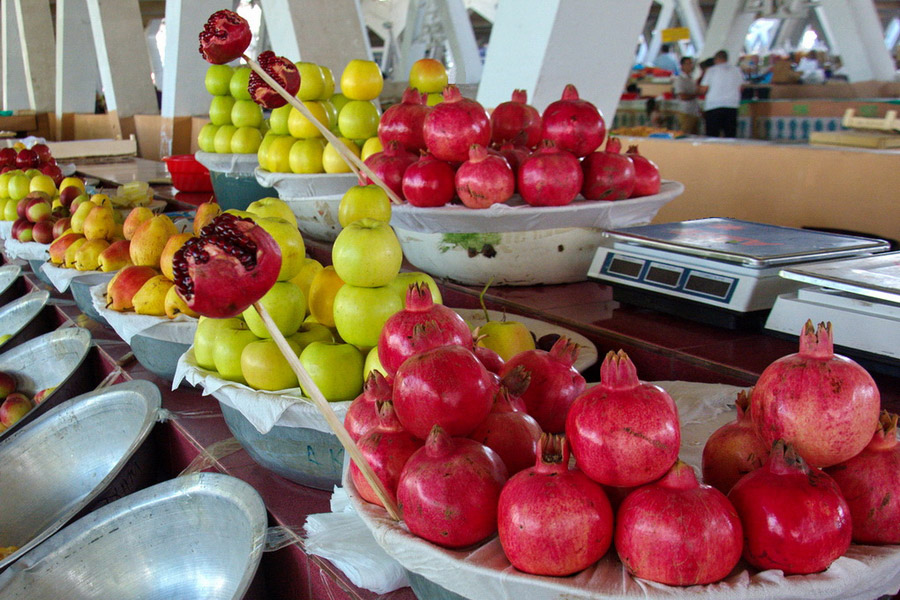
[(670, 277)]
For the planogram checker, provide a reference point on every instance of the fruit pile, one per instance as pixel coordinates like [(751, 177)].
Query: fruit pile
[(93, 238), (37, 207), (236, 121), (15, 404), (31, 161)]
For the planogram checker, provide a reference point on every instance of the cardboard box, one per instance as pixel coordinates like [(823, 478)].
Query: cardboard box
[(159, 136)]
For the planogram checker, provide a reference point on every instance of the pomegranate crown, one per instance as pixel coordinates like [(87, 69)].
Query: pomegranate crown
[(378, 388), (565, 350), (387, 416), (680, 477), (477, 153), (553, 449), (439, 442), (886, 432), (613, 145), (413, 96), (570, 92), (742, 402), (633, 149), (418, 297), (818, 341), (451, 93), (785, 459), (519, 96), (516, 381), (617, 371)]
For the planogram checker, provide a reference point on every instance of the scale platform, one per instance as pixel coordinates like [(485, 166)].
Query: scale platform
[(718, 270)]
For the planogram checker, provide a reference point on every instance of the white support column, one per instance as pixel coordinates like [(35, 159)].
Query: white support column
[(15, 95), (691, 16), (853, 27), (77, 75), (663, 21), (789, 32), (532, 48), (727, 29), (122, 57), (38, 52), (461, 39)]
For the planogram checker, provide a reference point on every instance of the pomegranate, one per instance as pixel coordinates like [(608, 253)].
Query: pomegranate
[(484, 179), (677, 531), (492, 361), (554, 382), (624, 432), (870, 483), (429, 182), (444, 386), (230, 266), (362, 415), (421, 325), (794, 516), (575, 125), (514, 155), (646, 174), (552, 519), (608, 175), (225, 37), (429, 492), (510, 433), (822, 403), (734, 449), (454, 125), (550, 176), (387, 447), (281, 70), (390, 164), (402, 123), (516, 122)]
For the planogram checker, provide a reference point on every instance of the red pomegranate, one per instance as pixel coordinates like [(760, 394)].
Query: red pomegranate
[(608, 175), (677, 531), (492, 361), (485, 179), (225, 37), (550, 176), (870, 483), (510, 433), (390, 164), (554, 383), (362, 415), (429, 182), (282, 71), (230, 266), (402, 123), (575, 125), (822, 403), (429, 492), (623, 432), (646, 174), (734, 449), (794, 516), (516, 122), (454, 125), (514, 155), (552, 519)]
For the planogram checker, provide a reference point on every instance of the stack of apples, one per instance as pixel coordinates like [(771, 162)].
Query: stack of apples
[(34, 203), (236, 122), (38, 157), (15, 404)]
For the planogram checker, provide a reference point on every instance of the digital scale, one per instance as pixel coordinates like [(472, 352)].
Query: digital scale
[(720, 271)]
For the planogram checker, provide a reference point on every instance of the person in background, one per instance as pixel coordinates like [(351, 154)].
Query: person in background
[(654, 114), (722, 86), (685, 89), (666, 59)]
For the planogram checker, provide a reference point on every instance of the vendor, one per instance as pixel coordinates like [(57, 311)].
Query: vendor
[(685, 90), (721, 84)]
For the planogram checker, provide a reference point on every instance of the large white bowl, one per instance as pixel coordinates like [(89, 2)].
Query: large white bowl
[(313, 198)]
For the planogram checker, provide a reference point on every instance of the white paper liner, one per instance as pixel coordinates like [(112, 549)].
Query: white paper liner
[(129, 324), (484, 573), (25, 250), (285, 408), (6, 229), (230, 164), (61, 278), (292, 186), (515, 215)]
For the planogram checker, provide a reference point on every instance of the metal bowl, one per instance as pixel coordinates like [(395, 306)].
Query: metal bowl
[(425, 589), (38, 271), (19, 319), (81, 292), (193, 537), (9, 277), (48, 361), (75, 457), (305, 456), (159, 347)]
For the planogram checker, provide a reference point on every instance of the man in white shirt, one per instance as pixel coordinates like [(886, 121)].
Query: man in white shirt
[(722, 85), (685, 89)]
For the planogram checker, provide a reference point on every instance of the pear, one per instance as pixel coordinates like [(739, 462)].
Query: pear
[(150, 239), (80, 215), (60, 245), (134, 219), (151, 298), (87, 257), (172, 246), (100, 224), (175, 305), (115, 256), (206, 212), (122, 288), (69, 260)]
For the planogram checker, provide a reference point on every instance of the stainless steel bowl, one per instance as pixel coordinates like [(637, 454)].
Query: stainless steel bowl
[(48, 361), (19, 319), (70, 459), (38, 271), (156, 349), (194, 537), (9, 276), (81, 293)]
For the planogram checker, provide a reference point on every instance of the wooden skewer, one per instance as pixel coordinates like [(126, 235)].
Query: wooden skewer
[(325, 408), (351, 159)]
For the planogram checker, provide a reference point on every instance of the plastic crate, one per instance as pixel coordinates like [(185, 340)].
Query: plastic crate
[(188, 175)]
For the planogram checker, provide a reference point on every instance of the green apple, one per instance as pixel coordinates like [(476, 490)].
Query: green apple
[(278, 119), (339, 100), (360, 313), (265, 367), (205, 339), (402, 282), (238, 86), (262, 155), (18, 186), (246, 140), (206, 139), (362, 201), (230, 342), (336, 369), (246, 113), (3, 203), (434, 99), (273, 207), (506, 338), (331, 112), (371, 146), (32, 173), (328, 83), (217, 79), (220, 110), (4, 183), (290, 242), (305, 157), (358, 119), (309, 333), (10, 211), (367, 253), (285, 303), (312, 81), (222, 141), (373, 363), (278, 154)]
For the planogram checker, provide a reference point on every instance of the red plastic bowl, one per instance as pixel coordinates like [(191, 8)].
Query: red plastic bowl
[(188, 175)]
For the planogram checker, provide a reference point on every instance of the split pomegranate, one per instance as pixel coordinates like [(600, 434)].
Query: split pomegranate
[(646, 174), (870, 483), (225, 37), (678, 532), (454, 125), (230, 266), (552, 519), (429, 182), (283, 71), (448, 490), (516, 122), (794, 516), (623, 432), (485, 179), (362, 415), (550, 176), (402, 123), (575, 125), (390, 164), (420, 326), (511, 433), (822, 403), (734, 449), (444, 386), (387, 447), (554, 383), (608, 175)]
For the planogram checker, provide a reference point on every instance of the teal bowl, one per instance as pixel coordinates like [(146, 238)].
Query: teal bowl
[(238, 190)]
